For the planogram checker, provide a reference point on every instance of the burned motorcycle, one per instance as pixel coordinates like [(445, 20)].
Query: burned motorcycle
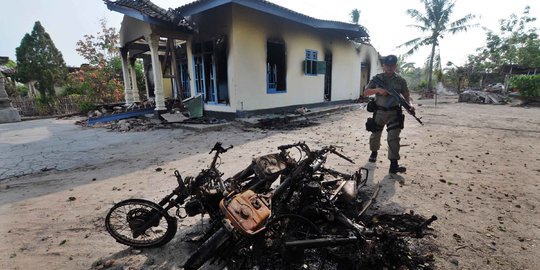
[(144, 224), (298, 214)]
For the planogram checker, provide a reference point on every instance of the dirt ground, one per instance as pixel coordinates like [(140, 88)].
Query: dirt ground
[(477, 167)]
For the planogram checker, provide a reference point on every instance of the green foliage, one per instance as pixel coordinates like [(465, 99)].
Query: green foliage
[(435, 23), (22, 89), (139, 72), (39, 60), (527, 85), (355, 16), (102, 48), (102, 80), (517, 43), (11, 64), (409, 72), (96, 83), (86, 106), (422, 85)]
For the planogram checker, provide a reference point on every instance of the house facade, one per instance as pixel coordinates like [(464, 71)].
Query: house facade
[(243, 56)]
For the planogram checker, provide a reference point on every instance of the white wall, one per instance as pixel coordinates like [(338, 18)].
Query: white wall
[(248, 31), (133, 29), (252, 29)]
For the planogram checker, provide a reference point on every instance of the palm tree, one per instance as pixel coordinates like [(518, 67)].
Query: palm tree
[(404, 66), (435, 22), (355, 16)]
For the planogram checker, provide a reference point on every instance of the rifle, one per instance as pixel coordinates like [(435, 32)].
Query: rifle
[(397, 95)]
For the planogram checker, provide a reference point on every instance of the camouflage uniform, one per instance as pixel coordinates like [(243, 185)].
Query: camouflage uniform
[(388, 114)]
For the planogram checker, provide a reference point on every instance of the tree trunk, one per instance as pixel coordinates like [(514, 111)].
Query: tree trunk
[(430, 74)]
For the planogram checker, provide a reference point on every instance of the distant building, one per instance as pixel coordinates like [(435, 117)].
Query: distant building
[(8, 114), (243, 57)]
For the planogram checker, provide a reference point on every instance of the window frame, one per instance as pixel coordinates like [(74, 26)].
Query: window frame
[(311, 62)]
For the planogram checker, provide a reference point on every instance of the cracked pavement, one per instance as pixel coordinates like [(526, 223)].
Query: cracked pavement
[(35, 146)]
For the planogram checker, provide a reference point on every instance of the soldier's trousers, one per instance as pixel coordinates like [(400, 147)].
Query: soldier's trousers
[(392, 121)]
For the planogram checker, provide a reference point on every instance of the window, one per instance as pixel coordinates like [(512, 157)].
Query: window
[(276, 68), (310, 65)]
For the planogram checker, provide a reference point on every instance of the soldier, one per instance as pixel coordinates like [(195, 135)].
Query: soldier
[(387, 112)]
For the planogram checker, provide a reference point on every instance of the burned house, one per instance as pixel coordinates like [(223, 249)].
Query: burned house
[(242, 57)]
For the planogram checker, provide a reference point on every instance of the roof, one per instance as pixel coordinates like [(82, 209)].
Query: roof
[(147, 11), (352, 31), (3, 66), (515, 69), (7, 70)]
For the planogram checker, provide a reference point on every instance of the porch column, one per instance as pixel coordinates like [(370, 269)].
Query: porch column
[(191, 68), (134, 86), (153, 43), (128, 91)]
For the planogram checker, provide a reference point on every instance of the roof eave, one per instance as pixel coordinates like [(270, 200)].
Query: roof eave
[(137, 15), (352, 30)]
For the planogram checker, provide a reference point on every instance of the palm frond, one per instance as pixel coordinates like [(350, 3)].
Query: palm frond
[(419, 27), (416, 15), (411, 42)]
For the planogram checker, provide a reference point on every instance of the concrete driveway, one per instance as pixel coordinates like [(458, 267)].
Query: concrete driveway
[(51, 144)]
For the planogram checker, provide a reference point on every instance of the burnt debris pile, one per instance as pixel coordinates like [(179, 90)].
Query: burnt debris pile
[(285, 210)]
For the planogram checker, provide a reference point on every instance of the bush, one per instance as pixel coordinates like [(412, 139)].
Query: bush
[(22, 89), (86, 106), (527, 85)]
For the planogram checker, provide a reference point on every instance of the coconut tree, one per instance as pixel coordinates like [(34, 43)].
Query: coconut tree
[(355, 16), (434, 21)]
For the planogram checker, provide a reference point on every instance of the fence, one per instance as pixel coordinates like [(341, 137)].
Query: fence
[(56, 106)]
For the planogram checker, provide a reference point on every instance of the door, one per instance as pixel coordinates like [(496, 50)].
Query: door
[(328, 77), (364, 78)]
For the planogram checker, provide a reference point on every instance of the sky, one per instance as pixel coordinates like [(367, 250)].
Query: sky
[(67, 21)]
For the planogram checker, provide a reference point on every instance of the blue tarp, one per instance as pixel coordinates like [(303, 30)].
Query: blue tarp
[(118, 116)]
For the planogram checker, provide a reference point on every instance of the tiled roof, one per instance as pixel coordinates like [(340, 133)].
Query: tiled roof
[(6, 70), (146, 9)]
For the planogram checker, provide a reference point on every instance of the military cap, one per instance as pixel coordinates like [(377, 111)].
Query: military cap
[(389, 60)]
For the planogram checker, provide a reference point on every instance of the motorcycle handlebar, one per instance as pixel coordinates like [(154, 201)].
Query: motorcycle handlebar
[(219, 148), (302, 145), (323, 151)]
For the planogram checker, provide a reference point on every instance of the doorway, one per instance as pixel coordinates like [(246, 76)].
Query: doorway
[(364, 77), (328, 76)]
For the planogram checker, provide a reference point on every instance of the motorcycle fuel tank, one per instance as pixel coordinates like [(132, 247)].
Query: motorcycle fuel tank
[(247, 212)]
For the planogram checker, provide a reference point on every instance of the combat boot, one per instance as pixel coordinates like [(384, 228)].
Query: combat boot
[(395, 168), (373, 156)]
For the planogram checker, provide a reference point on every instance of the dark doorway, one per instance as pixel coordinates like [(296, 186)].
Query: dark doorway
[(364, 77), (183, 72), (328, 76), (276, 68), (210, 64)]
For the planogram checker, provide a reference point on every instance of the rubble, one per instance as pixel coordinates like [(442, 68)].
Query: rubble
[(474, 96), (136, 124)]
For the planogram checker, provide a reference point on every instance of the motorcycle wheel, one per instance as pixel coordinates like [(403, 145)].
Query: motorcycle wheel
[(127, 216), (208, 249)]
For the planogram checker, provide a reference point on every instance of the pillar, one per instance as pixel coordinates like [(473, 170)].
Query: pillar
[(128, 91), (153, 43), (134, 87)]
